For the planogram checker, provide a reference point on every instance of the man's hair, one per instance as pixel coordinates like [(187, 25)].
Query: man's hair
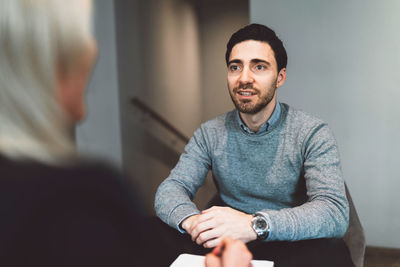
[(38, 39), (261, 33)]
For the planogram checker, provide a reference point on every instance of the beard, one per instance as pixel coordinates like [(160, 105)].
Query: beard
[(246, 106)]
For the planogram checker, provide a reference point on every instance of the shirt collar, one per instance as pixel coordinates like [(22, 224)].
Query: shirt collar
[(264, 128)]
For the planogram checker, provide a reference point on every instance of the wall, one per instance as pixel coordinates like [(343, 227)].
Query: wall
[(158, 62), (99, 134), (344, 62)]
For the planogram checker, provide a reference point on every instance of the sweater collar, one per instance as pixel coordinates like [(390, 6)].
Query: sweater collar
[(264, 128)]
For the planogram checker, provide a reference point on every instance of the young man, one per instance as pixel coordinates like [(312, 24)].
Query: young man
[(277, 169)]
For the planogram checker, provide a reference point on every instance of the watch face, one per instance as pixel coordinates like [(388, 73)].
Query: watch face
[(261, 227), (261, 224)]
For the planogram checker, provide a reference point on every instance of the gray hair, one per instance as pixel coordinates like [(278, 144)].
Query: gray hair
[(37, 38)]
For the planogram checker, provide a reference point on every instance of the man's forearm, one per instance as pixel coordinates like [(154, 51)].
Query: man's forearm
[(172, 204), (315, 219), (173, 201)]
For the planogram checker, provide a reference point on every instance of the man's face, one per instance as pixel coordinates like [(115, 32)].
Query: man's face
[(253, 76)]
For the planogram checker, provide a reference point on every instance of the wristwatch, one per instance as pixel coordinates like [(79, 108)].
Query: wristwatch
[(260, 226)]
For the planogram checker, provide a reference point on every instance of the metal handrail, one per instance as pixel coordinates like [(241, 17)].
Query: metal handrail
[(157, 117)]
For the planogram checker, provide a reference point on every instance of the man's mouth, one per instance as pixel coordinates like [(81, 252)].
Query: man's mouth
[(245, 93)]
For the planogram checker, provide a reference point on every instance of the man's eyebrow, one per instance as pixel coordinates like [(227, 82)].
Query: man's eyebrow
[(257, 60), (234, 61)]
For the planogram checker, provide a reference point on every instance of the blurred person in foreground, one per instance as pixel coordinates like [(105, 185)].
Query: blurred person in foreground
[(56, 208)]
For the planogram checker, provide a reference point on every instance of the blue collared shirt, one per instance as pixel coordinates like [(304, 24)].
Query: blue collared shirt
[(264, 128)]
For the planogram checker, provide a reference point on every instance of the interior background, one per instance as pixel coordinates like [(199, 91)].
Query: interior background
[(343, 67)]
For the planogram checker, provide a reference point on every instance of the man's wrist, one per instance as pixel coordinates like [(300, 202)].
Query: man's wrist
[(184, 223), (187, 222), (179, 225), (252, 233), (260, 226)]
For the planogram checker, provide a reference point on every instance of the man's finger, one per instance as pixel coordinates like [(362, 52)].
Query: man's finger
[(204, 216), (200, 227), (199, 219), (208, 235), (213, 243)]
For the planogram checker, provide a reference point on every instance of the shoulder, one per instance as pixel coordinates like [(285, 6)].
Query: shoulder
[(301, 118), (75, 175), (99, 177), (80, 183), (219, 121), (217, 127), (87, 168), (77, 166), (306, 127), (301, 123), (212, 132)]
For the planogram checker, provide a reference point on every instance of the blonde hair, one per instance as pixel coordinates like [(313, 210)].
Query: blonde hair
[(37, 38)]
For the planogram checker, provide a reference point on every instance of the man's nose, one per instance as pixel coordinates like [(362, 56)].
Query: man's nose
[(246, 76)]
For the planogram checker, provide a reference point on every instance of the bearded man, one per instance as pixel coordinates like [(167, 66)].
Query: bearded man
[(277, 169)]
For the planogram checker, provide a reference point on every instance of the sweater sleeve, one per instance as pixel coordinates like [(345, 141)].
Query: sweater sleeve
[(173, 200), (326, 211)]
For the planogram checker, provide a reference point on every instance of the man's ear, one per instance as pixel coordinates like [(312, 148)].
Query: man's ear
[(281, 78)]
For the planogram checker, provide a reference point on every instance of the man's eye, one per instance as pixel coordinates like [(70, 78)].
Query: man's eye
[(260, 67), (234, 68)]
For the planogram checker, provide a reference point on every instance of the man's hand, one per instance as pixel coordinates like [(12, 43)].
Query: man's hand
[(188, 223), (212, 225), (229, 253)]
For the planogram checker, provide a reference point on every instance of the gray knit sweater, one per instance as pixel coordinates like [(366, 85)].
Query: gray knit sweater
[(291, 174)]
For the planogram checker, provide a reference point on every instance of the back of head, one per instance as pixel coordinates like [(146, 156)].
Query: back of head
[(261, 33), (38, 39)]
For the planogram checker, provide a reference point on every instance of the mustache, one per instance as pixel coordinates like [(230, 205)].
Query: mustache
[(245, 86)]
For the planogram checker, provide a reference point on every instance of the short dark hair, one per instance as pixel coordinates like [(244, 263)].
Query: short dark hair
[(261, 33)]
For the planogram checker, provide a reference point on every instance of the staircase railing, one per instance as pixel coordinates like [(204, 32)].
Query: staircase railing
[(157, 117)]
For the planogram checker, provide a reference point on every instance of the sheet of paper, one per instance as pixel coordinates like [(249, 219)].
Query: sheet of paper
[(185, 260)]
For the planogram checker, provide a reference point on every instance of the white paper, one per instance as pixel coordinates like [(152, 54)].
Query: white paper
[(190, 260), (185, 260)]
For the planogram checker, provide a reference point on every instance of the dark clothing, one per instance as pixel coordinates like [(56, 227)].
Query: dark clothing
[(80, 215), (306, 253), (86, 214)]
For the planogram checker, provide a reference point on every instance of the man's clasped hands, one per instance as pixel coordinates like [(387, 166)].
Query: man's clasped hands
[(227, 230)]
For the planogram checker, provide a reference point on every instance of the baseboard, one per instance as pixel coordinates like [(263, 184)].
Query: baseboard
[(381, 256), (382, 251)]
